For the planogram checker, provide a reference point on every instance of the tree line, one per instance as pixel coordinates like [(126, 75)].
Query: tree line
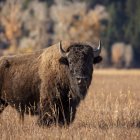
[(45, 24), (124, 25)]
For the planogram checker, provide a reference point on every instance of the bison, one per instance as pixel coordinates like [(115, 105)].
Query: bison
[(49, 83), (122, 55)]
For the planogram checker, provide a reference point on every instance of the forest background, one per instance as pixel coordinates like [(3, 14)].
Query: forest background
[(28, 25)]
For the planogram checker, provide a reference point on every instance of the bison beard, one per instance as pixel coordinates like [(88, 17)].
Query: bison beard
[(48, 83)]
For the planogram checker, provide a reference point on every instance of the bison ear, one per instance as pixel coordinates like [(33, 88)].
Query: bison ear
[(64, 61), (97, 59)]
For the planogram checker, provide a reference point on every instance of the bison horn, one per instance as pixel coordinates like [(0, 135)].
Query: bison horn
[(63, 53), (97, 51)]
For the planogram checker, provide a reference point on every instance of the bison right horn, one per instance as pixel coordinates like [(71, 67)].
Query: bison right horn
[(98, 50), (63, 53)]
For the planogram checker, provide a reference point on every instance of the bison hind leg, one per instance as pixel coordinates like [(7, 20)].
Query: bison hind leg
[(3, 105), (20, 108), (21, 117)]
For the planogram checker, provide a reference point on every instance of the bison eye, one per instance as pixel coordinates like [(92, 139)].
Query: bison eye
[(64, 61)]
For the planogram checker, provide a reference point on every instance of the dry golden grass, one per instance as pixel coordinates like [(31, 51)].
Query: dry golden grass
[(111, 111)]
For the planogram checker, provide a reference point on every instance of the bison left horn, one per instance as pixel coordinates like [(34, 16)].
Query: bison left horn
[(63, 53), (97, 51)]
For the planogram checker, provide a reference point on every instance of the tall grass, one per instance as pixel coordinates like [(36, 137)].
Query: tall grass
[(111, 111)]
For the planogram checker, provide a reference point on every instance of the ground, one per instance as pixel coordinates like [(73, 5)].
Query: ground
[(111, 111)]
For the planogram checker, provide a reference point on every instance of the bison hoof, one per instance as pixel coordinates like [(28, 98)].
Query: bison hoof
[(46, 122)]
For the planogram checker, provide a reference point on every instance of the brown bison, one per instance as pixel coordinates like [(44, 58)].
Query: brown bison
[(122, 55), (50, 82)]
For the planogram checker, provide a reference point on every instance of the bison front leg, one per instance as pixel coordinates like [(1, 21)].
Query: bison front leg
[(67, 115), (46, 115)]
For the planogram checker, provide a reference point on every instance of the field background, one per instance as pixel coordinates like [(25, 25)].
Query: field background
[(28, 25), (111, 111)]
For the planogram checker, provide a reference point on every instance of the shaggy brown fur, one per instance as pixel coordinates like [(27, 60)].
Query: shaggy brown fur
[(38, 83)]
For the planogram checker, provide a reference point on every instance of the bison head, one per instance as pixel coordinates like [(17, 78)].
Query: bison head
[(80, 59)]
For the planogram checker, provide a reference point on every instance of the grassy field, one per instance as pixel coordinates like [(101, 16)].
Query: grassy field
[(111, 111)]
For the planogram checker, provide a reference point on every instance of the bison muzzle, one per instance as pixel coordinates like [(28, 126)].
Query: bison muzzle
[(49, 83)]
